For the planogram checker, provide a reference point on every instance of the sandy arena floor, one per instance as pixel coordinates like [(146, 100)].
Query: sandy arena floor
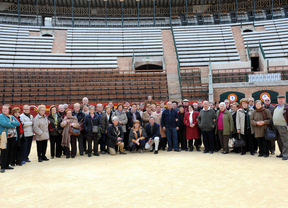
[(185, 179)]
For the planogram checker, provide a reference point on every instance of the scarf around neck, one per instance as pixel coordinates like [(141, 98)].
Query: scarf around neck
[(262, 110)]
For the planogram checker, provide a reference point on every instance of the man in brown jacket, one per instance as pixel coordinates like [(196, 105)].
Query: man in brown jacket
[(280, 121), (150, 101)]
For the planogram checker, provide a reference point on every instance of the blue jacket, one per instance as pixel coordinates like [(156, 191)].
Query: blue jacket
[(168, 120), (6, 123), (155, 132)]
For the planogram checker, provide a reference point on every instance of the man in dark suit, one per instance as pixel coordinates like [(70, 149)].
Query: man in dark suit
[(153, 135), (133, 115)]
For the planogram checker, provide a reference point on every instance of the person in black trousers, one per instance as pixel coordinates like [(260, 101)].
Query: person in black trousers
[(8, 124), (55, 137), (17, 152), (91, 120), (182, 129), (234, 109)]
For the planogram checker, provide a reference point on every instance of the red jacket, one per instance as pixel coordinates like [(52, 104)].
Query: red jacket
[(192, 133)]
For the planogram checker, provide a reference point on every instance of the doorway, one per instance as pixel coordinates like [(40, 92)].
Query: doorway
[(255, 63)]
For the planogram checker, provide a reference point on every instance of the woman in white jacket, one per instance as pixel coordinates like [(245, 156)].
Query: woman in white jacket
[(27, 122)]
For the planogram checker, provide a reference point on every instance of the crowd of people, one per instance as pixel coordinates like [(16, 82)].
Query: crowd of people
[(139, 126)]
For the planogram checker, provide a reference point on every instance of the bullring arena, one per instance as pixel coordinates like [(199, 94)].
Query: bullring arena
[(182, 179), (59, 52)]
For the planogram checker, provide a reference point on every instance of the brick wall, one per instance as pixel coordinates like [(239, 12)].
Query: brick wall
[(248, 91), (259, 28), (236, 31), (59, 42), (171, 65), (34, 33), (124, 63)]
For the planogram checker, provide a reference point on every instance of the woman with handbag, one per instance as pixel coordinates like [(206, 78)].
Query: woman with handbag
[(260, 119), (234, 109), (70, 127), (224, 126), (55, 131), (8, 134), (244, 127), (41, 133), (91, 124), (137, 137), (17, 152)]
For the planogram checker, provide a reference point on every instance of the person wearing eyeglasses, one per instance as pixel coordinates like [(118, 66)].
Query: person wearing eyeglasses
[(267, 105), (27, 122)]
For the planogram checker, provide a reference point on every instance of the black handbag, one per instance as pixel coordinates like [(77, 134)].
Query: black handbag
[(270, 132), (239, 142)]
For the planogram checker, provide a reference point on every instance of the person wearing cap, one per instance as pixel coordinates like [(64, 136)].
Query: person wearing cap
[(137, 137), (115, 137), (280, 121), (150, 101), (153, 135), (267, 105), (185, 104), (244, 127)]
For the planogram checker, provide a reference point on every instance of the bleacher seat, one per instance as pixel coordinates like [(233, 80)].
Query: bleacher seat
[(197, 45), (274, 39)]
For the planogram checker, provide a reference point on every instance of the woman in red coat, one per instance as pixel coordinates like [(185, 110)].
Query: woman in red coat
[(192, 130)]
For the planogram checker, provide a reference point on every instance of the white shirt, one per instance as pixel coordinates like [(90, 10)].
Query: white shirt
[(191, 117)]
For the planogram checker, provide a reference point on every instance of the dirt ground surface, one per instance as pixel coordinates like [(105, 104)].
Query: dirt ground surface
[(169, 179)]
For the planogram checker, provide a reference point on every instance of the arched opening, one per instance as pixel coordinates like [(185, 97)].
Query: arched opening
[(248, 30), (149, 67), (47, 35)]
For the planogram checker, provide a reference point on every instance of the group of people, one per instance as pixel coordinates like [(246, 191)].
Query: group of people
[(141, 126)]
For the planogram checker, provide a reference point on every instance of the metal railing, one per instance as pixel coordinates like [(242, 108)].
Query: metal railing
[(178, 62), (262, 50), (248, 52)]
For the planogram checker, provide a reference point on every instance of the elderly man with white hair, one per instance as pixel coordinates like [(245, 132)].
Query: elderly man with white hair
[(85, 100), (115, 137), (153, 135), (206, 122), (150, 101)]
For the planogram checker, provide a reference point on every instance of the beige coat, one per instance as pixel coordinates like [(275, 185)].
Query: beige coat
[(145, 119), (158, 121), (122, 117), (41, 128), (240, 120), (259, 131)]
